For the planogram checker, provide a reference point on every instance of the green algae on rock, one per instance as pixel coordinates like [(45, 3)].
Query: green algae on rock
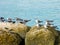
[(9, 38), (40, 36)]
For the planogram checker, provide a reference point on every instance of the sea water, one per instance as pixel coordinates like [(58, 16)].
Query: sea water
[(30, 9)]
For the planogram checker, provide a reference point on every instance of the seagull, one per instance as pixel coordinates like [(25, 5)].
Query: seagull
[(18, 19), (27, 20), (2, 19), (24, 21), (38, 22), (49, 20), (9, 20), (48, 23)]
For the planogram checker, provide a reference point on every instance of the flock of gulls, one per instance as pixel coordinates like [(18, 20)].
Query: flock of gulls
[(48, 23), (10, 20), (22, 21)]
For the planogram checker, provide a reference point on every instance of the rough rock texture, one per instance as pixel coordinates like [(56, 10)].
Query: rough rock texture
[(57, 40), (15, 34), (57, 35), (9, 38), (39, 36), (53, 30), (21, 29)]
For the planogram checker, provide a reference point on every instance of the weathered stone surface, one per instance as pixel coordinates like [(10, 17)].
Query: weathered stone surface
[(40, 36), (53, 30), (21, 29), (9, 38)]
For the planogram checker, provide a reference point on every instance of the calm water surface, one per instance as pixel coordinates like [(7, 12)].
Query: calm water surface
[(29, 9)]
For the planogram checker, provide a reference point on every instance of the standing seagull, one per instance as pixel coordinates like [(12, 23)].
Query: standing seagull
[(24, 21), (9, 20), (18, 19), (2, 19), (48, 23), (38, 23)]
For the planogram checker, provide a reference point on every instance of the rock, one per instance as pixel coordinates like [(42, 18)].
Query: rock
[(39, 36), (53, 30), (9, 38), (21, 29), (57, 39)]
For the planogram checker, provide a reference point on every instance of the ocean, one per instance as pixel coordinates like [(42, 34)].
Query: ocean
[(29, 9)]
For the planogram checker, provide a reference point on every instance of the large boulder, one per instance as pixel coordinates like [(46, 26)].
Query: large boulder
[(19, 28), (22, 30), (39, 36), (9, 38)]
